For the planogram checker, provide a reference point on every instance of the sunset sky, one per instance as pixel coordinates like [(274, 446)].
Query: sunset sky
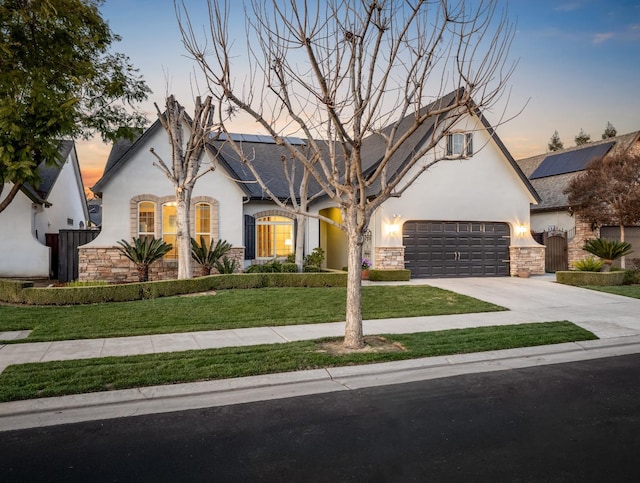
[(578, 68)]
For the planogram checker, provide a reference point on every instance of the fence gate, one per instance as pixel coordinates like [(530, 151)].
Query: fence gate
[(68, 258), (556, 256)]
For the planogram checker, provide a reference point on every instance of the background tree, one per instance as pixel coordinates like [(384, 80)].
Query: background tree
[(609, 131), (337, 72), (59, 80), (186, 159), (608, 192), (582, 138), (555, 144)]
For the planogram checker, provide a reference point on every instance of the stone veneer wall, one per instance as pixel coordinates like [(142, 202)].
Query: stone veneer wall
[(527, 258), (574, 246), (389, 258), (109, 265)]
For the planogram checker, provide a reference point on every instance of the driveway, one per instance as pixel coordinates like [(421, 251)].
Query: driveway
[(542, 299)]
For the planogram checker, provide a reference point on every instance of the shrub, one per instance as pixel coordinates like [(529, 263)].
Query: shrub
[(315, 258), (226, 265), (608, 250), (209, 255), (143, 253), (589, 264), (632, 277), (582, 279), (376, 275)]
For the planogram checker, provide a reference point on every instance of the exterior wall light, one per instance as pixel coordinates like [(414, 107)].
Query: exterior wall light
[(521, 230)]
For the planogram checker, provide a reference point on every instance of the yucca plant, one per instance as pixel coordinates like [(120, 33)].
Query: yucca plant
[(143, 252), (208, 255), (608, 250), (226, 265), (588, 264)]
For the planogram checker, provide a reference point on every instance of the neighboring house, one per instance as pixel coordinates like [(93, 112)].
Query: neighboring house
[(95, 212), (552, 220), (466, 216), (30, 224)]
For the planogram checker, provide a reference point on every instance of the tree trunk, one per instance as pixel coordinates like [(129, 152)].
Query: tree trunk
[(622, 259), (143, 273), (300, 222), (183, 234), (353, 335)]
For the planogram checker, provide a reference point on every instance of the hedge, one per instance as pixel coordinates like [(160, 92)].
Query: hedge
[(21, 292), (582, 279), (376, 275)]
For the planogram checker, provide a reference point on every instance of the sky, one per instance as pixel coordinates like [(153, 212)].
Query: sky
[(578, 67)]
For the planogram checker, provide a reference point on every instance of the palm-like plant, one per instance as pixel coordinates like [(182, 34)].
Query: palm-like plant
[(226, 265), (608, 250), (208, 255), (143, 252)]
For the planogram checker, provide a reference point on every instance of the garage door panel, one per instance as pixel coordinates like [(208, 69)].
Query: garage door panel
[(456, 249)]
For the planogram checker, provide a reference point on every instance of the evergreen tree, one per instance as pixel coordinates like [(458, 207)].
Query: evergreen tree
[(582, 138), (555, 144), (609, 131)]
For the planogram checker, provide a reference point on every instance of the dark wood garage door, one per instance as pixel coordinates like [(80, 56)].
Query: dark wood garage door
[(456, 249)]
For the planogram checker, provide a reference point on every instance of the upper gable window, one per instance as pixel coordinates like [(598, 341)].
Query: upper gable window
[(460, 144)]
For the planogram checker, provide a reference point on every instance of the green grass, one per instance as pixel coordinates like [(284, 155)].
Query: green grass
[(28, 381), (230, 309), (625, 290)]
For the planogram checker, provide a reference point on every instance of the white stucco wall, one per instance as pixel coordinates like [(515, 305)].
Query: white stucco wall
[(67, 202), (559, 219), (483, 187), (138, 176), (21, 254)]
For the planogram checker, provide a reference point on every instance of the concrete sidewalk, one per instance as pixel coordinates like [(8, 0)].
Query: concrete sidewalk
[(614, 319)]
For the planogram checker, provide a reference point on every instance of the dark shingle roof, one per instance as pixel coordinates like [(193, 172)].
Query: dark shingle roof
[(48, 173), (551, 188)]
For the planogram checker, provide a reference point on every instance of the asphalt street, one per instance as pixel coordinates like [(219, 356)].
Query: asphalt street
[(573, 422)]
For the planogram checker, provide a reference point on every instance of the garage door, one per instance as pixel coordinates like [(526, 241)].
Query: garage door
[(456, 249)]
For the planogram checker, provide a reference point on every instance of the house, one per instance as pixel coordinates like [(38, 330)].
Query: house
[(30, 224), (552, 220), (466, 216)]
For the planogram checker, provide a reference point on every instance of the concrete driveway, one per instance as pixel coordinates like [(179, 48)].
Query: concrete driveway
[(541, 299)]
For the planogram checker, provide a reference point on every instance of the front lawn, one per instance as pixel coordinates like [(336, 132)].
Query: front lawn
[(230, 309), (625, 290), (28, 381)]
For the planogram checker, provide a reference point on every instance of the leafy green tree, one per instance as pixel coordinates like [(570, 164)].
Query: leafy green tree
[(555, 144), (609, 131), (58, 79), (143, 252), (582, 138)]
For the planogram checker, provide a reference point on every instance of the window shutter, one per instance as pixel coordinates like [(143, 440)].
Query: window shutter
[(449, 144), (469, 139), (249, 237)]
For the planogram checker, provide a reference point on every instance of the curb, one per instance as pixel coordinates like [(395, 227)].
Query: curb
[(178, 397)]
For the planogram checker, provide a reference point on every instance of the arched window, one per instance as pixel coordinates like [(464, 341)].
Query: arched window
[(203, 222), (170, 227), (460, 144), (146, 219), (274, 235)]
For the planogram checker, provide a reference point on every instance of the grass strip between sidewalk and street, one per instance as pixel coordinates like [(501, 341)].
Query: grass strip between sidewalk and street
[(45, 379), (232, 309)]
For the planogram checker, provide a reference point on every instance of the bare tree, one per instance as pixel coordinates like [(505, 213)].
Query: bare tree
[(186, 160), (358, 79), (608, 192)]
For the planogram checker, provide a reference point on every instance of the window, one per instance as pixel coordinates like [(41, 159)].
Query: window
[(203, 222), (274, 236), (170, 228), (460, 144), (146, 220)]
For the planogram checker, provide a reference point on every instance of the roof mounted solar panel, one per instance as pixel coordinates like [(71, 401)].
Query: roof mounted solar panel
[(571, 161), (256, 138)]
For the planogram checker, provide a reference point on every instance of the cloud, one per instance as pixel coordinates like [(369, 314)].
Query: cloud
[(568, 7), (603, 37)]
